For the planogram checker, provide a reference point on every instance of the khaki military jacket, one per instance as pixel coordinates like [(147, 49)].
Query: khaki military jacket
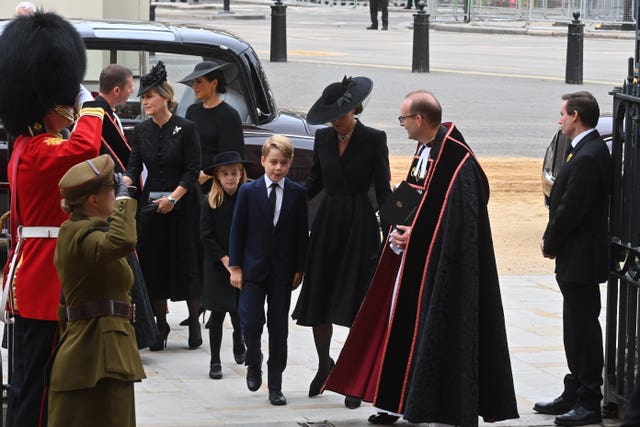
[(90, 259)]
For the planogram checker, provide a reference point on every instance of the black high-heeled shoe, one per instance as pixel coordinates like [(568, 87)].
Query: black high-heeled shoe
[(161, 339), (195, 334), (318, 381), (201, 310)]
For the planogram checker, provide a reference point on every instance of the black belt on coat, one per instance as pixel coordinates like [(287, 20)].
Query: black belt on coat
[(88, 310)]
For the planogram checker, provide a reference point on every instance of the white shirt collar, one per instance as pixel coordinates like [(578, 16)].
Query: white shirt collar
[(268, 182), (579, 137)]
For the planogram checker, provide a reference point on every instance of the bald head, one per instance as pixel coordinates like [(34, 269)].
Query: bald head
[(423, 102), (25, 8)]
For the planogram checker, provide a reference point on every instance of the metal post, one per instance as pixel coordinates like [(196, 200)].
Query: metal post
[(152, 12), (278, 32), (420, 40), (575, 39), (225, 7)]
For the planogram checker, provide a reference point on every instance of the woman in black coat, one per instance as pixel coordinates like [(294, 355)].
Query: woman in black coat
[(169, 147), (349, 158)]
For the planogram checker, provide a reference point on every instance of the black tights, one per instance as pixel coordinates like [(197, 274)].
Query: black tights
[(215, 332), (160, 311), (322, 338)]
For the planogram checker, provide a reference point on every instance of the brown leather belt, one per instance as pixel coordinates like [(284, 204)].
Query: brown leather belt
[(88, 310)]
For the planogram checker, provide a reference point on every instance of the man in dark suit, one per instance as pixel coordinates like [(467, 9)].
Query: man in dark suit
[(267, 249), (577, 238)]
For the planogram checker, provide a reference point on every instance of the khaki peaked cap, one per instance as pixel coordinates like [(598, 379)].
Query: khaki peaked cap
[(86, 178)]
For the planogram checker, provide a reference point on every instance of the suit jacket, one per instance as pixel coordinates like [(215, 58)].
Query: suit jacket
[(577, 233), (91, 260), (259, 247)]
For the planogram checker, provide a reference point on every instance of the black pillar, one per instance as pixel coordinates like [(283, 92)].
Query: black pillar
[(152, 12), (225, 6), (278, 32), (420, 62), (575, 39)]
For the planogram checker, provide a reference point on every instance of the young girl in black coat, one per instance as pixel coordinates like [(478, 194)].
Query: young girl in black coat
[(228, 172)]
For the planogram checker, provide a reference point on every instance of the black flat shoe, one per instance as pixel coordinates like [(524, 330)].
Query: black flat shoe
[(579, 416), (557, 406), (315, 388), (215, 371), (161, 339), (351, 402), (383, 418), (371, 27), (254, 378), (277, 398)]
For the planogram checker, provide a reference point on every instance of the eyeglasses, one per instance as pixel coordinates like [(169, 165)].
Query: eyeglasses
[(401, 119)]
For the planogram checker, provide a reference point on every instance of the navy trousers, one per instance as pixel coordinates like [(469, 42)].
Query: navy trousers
[(34, 342), (252, 320)]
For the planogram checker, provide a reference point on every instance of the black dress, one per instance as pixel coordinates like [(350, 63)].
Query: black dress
[(345, 239), (167, 242), (215, 226), (220, 130)]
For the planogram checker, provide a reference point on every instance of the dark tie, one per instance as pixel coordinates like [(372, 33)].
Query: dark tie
[(272, 199), (568, 152)]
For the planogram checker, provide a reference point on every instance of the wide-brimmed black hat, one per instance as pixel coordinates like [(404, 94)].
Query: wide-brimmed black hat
[(339, 98), (42, 64), (153, 78), (226, 158), (229, 70)]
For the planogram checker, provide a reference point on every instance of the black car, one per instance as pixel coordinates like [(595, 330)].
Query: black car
[(554, 157), (140, 45)]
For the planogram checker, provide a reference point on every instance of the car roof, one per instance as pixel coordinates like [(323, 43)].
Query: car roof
[(147, 31)]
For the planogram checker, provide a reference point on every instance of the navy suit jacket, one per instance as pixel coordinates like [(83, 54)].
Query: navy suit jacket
[(259, 247), (577, 233)]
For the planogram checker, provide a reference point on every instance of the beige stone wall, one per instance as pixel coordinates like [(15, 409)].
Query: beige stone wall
[(95, 9)]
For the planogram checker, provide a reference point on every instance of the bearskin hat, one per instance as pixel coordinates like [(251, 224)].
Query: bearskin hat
[(42, 64)]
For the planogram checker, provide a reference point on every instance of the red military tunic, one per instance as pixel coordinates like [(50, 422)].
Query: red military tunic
[(43, 160)]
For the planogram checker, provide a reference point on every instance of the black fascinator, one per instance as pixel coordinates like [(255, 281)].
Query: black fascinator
[(153, 78)]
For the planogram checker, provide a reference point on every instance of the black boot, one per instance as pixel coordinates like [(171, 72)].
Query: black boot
[(239, 349)]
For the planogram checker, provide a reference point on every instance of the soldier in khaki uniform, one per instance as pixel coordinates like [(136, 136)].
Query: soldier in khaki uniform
[(92, 375)]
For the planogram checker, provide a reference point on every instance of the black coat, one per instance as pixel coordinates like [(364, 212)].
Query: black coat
[(577, 232), (215, 226), (168, 243), (345, 238)]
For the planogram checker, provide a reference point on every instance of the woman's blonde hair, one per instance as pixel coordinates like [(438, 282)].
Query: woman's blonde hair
[(165, 90), (216, 195)]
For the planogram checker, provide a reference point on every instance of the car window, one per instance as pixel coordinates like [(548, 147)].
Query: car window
[(177, 65)]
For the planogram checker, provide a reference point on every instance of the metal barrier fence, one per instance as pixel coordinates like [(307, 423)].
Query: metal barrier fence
[(605, 11), (623, 316)]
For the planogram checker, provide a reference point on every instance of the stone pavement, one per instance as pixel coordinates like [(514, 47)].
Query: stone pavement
[(178, 392)]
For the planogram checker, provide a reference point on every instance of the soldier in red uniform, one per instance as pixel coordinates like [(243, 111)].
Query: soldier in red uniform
[(42, 65)]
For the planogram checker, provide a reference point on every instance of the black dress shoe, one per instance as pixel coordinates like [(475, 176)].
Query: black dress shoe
[(557, 406), (254, 377), (372, 27), (277, 398), (383, 418), (351, 402), (579, 416), (215, 371)]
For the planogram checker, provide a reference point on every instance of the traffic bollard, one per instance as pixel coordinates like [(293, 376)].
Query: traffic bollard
[(420, 40), (575, 39), (278, 32), (152, 12), (225, 6)]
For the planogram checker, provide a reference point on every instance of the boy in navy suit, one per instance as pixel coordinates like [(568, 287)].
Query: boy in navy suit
[(267, 249)]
